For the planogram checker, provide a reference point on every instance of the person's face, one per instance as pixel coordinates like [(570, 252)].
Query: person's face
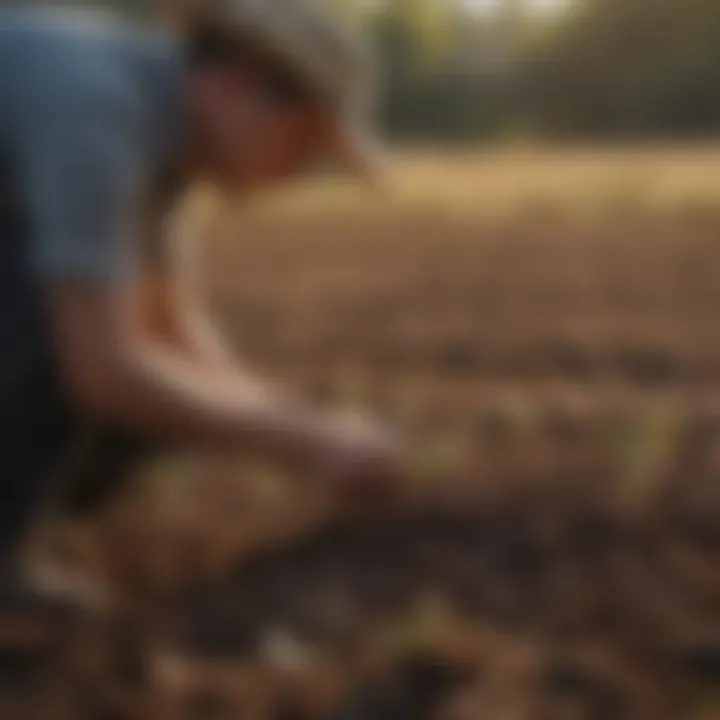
[(256, 127)]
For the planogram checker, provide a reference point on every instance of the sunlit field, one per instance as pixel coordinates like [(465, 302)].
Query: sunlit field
[(543, 327), (505, 183)]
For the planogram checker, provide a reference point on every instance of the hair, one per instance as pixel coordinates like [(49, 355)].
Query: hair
[(210, 44)]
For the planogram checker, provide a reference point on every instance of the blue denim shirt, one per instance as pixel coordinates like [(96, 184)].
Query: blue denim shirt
[(90, 114), (88, 111)]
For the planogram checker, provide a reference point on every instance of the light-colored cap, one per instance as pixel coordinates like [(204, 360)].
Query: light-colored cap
[(327, 53)]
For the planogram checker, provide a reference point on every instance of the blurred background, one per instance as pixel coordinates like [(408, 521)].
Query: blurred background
[(535, 303)]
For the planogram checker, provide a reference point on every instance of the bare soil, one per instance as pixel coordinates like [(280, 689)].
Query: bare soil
[(560, 557)]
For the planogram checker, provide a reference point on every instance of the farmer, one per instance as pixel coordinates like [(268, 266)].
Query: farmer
[(104, 357)]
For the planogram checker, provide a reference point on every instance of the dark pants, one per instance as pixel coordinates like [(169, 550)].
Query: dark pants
[(48, 455), (73, 474), (112, 458)]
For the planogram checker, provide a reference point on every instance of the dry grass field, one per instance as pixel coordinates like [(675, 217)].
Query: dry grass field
[(543, 326)]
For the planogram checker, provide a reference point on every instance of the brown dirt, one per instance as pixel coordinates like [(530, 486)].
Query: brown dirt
[(560, 557)]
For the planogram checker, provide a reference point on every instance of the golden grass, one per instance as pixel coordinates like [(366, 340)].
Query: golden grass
[(508, 182)]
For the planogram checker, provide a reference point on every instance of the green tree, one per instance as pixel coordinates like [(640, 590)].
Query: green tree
[(629, 67)]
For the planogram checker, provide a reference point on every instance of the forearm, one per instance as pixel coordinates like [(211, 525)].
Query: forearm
[(148, 387), (165, 315), (168, 397), (201, 338)]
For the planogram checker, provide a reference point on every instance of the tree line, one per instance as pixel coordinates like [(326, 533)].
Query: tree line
[(598, 68)]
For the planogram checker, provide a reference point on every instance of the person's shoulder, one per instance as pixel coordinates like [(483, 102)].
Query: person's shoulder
[(76, 48), (58, 25), (51, 31), (87, 65)]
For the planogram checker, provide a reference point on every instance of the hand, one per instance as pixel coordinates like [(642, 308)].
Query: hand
[(363, 463)]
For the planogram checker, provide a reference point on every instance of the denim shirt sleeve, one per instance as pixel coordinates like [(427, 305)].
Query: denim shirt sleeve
[(82, 164)]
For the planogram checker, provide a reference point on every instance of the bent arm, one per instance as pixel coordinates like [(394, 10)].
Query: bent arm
[(86, 171), (171, 304), (113, 374)]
